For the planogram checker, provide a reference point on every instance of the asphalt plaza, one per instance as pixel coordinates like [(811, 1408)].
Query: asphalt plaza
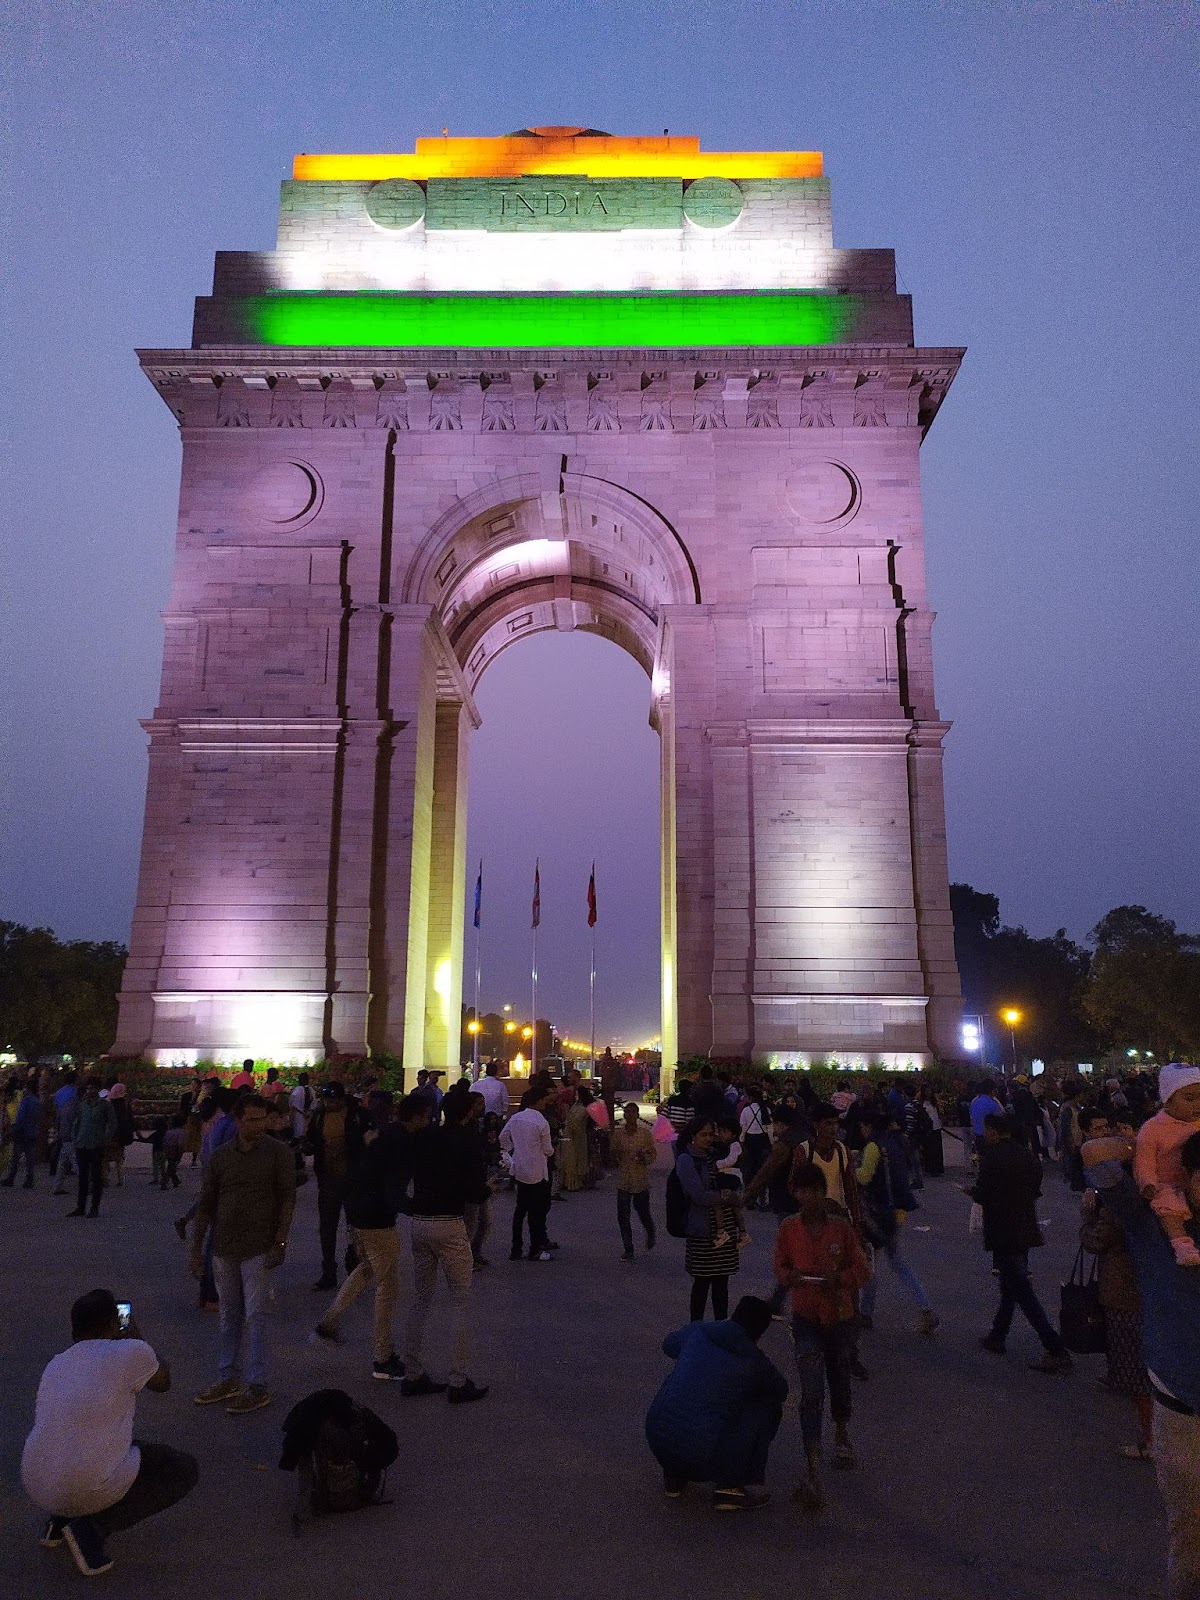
[(976, 1478)]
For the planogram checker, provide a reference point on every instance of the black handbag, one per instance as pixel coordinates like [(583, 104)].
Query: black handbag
[(1081, 1316)]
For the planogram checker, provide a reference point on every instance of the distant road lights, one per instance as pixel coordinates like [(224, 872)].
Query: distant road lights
[(527, 1033), (510, 1027), (473, 1027)]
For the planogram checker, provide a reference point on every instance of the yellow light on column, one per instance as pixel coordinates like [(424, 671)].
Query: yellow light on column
[(1011, 1015)]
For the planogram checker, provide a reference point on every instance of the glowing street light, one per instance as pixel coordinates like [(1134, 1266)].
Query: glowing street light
[(510, 1027), (527, 1033), (473, 1027), (1012, 1016)]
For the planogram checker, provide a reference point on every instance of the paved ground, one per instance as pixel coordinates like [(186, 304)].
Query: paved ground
[(977, 1479)]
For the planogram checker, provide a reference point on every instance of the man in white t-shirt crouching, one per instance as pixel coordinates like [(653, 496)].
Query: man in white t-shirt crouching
[(81, 1463)]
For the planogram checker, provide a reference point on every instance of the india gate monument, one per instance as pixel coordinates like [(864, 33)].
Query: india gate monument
[(554, 380)]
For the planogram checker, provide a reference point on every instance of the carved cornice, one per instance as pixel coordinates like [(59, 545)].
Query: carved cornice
[(554, 391)]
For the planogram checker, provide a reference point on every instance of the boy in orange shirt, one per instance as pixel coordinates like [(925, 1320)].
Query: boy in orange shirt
[(818, 1257)]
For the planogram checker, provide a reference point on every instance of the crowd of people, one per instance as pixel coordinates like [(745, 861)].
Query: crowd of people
[(840, 1177)]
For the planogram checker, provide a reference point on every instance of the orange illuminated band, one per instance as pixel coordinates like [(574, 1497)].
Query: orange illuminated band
[(590, 155)]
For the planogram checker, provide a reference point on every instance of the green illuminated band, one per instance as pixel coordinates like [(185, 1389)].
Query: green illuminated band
[(534, 321)]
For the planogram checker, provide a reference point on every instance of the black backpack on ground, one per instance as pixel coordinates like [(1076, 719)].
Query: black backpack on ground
[(340, 1451)]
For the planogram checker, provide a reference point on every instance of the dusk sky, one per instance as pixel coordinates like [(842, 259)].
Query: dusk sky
[(1034, 169)]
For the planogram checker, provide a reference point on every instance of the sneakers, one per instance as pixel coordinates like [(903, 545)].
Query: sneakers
[(391, 1370), (461, 1394), (223, 1389), (52, 1533), (410, 1388), (992, 1346), (673, 1487), (86, 1545), (543, 1255), (180, 1226), (329, 1335), (929, 1323), (252, 1398), (78, 1212), (1056, 1366), (739, 1499), (626, 1255), (326, 1282)]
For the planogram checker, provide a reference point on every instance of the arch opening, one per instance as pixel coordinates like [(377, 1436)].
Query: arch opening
[(582, 556)]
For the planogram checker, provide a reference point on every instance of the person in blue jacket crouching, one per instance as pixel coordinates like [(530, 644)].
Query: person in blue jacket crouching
[(716, 1413)]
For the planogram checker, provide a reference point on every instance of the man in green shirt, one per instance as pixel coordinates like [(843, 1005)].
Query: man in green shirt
[(247, 1198), (633, 1154)]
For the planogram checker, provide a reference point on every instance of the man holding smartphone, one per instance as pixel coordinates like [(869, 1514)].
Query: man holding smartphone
[(81, 1463)]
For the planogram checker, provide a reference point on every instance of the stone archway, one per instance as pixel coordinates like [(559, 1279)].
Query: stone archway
[(447, 412), (498, 567)]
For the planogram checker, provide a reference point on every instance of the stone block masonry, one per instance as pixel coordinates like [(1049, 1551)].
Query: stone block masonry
[(364, 527)]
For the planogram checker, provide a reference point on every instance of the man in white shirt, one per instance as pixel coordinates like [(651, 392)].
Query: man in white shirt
[(301, 1102), (528, 1140), (81, 1463), (495, 1093)]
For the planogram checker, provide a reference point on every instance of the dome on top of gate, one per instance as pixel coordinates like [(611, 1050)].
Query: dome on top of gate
[(552, 132)]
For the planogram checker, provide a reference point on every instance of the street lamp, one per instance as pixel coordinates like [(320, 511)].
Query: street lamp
[(1012, 1016)]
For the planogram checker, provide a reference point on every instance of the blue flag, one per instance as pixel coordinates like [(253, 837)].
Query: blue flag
[(478, 894)]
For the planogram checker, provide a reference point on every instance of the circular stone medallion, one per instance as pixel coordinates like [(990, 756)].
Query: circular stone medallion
[(395, 203), (825, 493), (286, 494), (712, 203)]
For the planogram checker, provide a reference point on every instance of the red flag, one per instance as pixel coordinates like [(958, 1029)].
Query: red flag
[(592, 898), (537, 894)]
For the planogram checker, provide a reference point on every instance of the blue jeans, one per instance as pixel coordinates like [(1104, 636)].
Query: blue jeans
[(822, 1353), (891, 1253), (1016, 1289), (23, 1149), (242, 1292)]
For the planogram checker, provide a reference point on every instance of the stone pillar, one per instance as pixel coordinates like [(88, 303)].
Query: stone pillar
[(662, 717), (691, 668), (931, 876), (135, 1023), (402, 841), (447, 887)]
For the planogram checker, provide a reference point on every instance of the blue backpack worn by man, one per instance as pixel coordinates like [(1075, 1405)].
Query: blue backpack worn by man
[(715, 1415)]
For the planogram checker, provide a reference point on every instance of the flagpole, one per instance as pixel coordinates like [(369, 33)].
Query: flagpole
[(537, 917), (533, 1019), (591, 905), (593, 998), (478, 1024)]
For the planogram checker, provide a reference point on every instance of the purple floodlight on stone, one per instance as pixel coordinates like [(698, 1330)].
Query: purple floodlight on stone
[(364, 526)]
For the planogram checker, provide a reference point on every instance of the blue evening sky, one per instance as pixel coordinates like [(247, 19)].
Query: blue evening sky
[(1032, 165)]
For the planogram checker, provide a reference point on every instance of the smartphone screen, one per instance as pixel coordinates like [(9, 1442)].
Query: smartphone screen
[(124, 1312)]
